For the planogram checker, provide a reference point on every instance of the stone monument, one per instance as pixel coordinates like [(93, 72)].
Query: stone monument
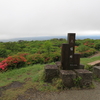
[(69, 68), (69, 60)]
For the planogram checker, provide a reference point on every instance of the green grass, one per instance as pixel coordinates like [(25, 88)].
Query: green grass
[(20, 74), (33, 73), (88, 60), (85, 62)]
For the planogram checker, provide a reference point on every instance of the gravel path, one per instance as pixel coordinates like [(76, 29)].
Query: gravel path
[(85, 94)]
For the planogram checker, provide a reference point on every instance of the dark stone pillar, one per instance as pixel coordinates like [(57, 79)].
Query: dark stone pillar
[(71, 42), (65, 56), (77, 61)]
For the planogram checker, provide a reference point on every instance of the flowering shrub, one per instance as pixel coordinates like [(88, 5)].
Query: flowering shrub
[(89, 44), (15, 61), (47, 59), (3, 65), (19, 60)]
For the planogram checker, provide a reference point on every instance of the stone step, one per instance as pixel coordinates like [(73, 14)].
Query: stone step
[(96, 71), (51, 71), (68, 77), (85, 77)]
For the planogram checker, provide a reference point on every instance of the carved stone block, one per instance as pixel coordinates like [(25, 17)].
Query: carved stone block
[(51, 71), (96, 71), (68, 77), (86, 77)]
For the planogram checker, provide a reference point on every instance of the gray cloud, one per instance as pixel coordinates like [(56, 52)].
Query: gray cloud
[(20, 18)]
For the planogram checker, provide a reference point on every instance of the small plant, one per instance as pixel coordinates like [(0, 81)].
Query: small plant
[(77, 81), (57, 83), (89, 67)]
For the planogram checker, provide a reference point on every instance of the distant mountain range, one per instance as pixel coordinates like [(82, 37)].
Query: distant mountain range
[(47, 38)]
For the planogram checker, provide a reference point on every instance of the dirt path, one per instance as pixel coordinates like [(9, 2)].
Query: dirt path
[(33, 94), (85, 94)]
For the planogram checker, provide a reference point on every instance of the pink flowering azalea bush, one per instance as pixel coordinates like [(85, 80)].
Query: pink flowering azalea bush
[(3, 65), (15, 61)]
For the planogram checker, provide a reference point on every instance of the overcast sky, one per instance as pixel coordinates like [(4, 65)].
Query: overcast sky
[(30, 18)]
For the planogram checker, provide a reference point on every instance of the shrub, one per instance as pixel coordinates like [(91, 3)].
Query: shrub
[(78, 42), (97, 45), (35, 58), (87, 53), (12, 62), (3, 65), (82, 48), (33, 50), (1, 59), (48, 47), (3, 52), (56, 56), (16, 61), (47, 59), (24, 54)]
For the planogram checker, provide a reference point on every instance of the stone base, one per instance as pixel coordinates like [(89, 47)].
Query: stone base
[(85, 77), (58, 63), (51, 71), (81, 66), (96, 71), (68, 77)]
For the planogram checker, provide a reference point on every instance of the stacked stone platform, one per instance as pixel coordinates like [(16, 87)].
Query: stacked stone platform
[(69, 68), (68, 76)]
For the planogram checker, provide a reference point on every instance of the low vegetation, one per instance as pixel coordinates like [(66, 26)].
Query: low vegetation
[(24, 53)]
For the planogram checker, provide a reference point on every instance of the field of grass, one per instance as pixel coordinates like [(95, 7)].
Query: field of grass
[(31, 77)]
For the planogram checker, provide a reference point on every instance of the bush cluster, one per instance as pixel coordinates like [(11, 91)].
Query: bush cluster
[(12, 62), (88, 53), (33, 52), (23, 59), (85, 50)]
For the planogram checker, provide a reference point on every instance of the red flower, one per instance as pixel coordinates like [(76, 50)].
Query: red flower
[(3, 65)]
